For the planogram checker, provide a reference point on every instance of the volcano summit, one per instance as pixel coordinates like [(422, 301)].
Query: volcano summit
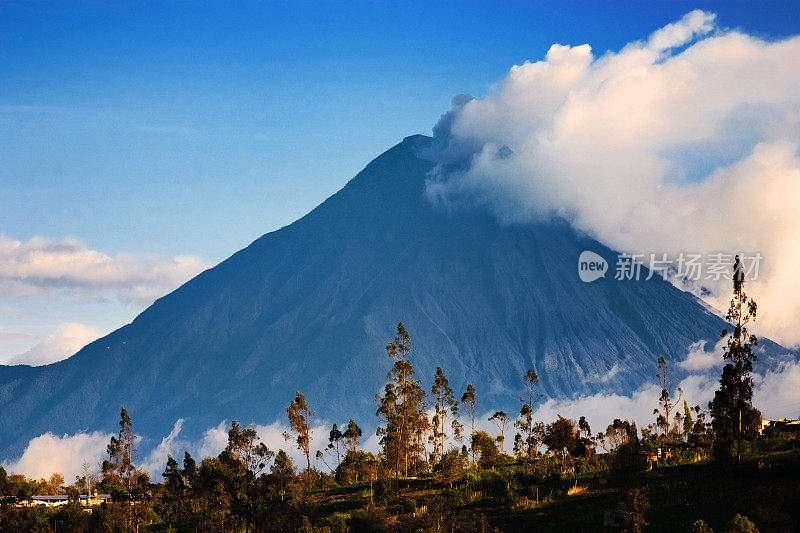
[(311, 306)]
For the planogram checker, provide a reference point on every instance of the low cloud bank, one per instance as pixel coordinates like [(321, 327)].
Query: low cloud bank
[(776, 394), (686, 141), (49, 453)]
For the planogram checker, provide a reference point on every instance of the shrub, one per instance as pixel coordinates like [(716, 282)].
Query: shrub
[(634, 506), (371, 519), (451, 466), (741, 524), (628, 460), (384, 490), (493, 484), (698, 526), (484, 444)]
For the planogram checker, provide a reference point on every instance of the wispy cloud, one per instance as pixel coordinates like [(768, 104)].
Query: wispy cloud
[(66, 267), (156, 460), (7, 336), (700, 359)]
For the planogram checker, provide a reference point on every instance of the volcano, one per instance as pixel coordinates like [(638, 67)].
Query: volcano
[(311, 306)]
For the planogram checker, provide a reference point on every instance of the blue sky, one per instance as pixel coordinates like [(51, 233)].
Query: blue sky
[(193, 128)]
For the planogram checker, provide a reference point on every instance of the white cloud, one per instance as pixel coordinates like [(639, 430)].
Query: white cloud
[(601, 409), (48, 453), (682, 32), (776, 393), (215, 439), (608, 375), (67, 267), (272, 436), (156, 460), (66, 341), (650, 149), (700, 359)]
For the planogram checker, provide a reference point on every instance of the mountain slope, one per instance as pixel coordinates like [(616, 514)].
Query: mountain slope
[(311, 306)]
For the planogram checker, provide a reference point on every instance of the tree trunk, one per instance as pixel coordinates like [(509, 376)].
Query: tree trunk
[(739, 439)]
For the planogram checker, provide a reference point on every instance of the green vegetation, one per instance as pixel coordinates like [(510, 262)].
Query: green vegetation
[(507, 494), (678, 474)]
